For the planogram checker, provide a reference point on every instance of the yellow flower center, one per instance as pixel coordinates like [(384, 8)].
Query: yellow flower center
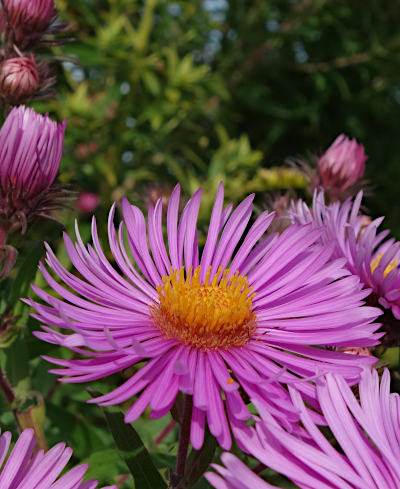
[(392, 265), (208, 315)]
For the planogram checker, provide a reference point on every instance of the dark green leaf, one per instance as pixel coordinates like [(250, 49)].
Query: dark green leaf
[(133, 451), (198, 461)]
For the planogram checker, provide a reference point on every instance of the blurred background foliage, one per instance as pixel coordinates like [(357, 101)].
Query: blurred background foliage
[(159, 91), (200, 91)]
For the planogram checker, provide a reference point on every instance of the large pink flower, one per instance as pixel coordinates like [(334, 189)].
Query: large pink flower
[(375, 261), (250, 311), (367, 430), (25, 469)]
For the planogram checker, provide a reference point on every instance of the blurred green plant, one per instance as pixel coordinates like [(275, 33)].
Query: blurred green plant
[(199, 91)]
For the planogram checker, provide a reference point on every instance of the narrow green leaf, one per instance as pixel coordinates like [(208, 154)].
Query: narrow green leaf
[(198, 461), (133, 451)]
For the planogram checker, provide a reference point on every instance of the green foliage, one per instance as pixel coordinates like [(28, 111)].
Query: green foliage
[(133, 452), (199, 91)]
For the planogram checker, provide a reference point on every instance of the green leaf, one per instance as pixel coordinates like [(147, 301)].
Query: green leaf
[(133, 451), (151, 82), (104, 466), (198, 461)]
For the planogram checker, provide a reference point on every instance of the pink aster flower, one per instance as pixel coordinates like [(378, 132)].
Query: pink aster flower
[(249, 311), (31, 147), (367, 431), (373, 260), (41, 470), (340, 167)]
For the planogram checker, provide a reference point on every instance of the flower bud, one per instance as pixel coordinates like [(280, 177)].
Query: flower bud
[(30, 15), (341, 166), (31, 147), (29, 19), (87, 202), (19, 79)]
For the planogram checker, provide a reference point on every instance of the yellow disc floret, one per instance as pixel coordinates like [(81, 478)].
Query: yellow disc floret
[(207, 315), (392, 265)]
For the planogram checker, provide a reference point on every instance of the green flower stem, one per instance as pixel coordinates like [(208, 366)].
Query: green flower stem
[(184, 438)]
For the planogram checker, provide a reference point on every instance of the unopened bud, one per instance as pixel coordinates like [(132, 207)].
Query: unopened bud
[(29, 16), (31, 146), (340, 167), (19, 79)]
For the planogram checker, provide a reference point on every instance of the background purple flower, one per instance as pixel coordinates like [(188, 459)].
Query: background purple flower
[(22, 467), (87, 202), (367, 430), (245, 313), (359, 241)]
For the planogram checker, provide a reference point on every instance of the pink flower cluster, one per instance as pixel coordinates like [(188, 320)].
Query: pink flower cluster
[(264, 334)]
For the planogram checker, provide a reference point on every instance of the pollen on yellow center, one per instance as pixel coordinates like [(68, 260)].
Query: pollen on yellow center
[(207, 315), (392, 265)]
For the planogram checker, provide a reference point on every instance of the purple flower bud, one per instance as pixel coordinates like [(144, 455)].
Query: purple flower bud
[(342, 165), (19, 79), (30, 15), (31, 147), (28, 19)]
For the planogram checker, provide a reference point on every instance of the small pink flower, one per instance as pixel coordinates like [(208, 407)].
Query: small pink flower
[(19, 79), (341, 166), (87, 202), (42, 470)]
